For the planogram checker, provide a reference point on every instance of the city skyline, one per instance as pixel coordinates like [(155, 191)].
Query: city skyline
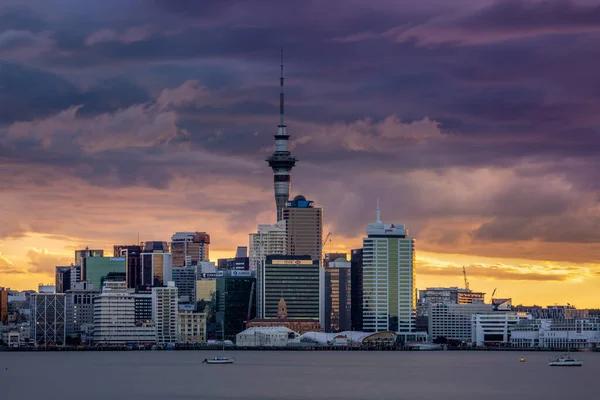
[(473, 129)]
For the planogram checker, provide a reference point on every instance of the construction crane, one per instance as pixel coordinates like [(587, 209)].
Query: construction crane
[(493, 293), (326, 239), (466, 281)]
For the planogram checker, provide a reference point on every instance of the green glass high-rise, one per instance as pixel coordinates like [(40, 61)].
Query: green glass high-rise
[(99, 267)]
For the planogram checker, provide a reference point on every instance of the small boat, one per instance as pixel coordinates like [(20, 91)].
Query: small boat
[(218, 360), (522, 359), (565, 361)]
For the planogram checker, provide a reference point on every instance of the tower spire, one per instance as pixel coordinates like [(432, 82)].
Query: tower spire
[(281, 98), (378, 212)]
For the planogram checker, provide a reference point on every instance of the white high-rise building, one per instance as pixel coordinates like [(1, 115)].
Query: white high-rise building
[(165, 313), (269, 240), (389, 297)]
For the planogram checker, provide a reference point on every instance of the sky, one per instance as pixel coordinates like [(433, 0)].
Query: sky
[(474, 122)]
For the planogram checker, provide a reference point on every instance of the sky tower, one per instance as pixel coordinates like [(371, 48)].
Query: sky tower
[(281, 161)]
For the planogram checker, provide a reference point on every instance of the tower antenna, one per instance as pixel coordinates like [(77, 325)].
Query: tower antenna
[(281, 99)]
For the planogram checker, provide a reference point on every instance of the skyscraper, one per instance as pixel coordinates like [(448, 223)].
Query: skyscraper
[(156, 264), (49, 318), (281, 161), (304, 228), (269, 239), (63, 279), (164, 313), (356, 278), (336, 301), (389, 297), (81, 255), (234, 290), (189, 248), (133, 262)]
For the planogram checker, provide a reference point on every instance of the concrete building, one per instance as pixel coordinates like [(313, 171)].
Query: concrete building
[(98, 268), (336, 296), (49, 316), (304, 228), (330, 257), (133, 263), (560, 334), (114, 318), (62, 280), (276, 336), (450, 295), (80, 257), (189, 248), (296, 279), (356, 289), (236, 291), (453, 321), (184, 279), (46, 288), (80, 302), (389, 301), (165, 313), (192, 327), (156, 264), (76, 276), (3, 306), (268, 240), (494, 329), (281, 161)]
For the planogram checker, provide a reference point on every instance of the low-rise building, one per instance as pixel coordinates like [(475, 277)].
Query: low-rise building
[(556, 333), (192, 326), (274, 336), (453, 321), (494, 328)]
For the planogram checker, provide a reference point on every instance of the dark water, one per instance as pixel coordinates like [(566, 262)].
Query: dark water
[(295, 375)]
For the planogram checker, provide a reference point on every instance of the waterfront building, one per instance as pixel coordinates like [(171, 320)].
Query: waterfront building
[(296, 279), (98, 268), (80, 257), (235, 297), (453, 321), (389, 297), (63, 279), (554, 312), (133, 263), (80, 302), (268, 240), (579, 333), (273, 336), (3, 306), (165, 313), (185, 281), (156, 264), (115, 318), (49, 316), (192, 327), (281, 161), (356, 289), (304, 228), (336, 296), (189, 248), (494, 329)]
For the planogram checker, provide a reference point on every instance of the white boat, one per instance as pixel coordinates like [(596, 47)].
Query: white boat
[(218, 360), (565, 361)]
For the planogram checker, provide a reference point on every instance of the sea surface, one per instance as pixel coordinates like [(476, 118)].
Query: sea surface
[(282, 375)]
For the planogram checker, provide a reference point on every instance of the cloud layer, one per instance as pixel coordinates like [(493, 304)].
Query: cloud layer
[(474, 122)]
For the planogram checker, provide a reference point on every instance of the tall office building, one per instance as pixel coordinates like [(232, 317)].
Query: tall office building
[(49, 319), (304, 228), (81, 255), (165, 313), (156, 264), (336, 296), (189, 248), (63, 279), (296, 279), (3, 306), (389, 297), (80, 302), (356, 278), (133, 262), (268, 240), (75, 275), (184, 279), (99, 268), (234, 292), (281, 161)]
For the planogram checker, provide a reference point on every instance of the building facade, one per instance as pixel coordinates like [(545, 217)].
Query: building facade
[(75, 275), (63, 279), (304, 228), (81, 255), (156, 264), (236, 291), (189, 248), (296, 279), (453, 321), (49, 319), (3, 306), (80, 300), (185, 281), (389, 298), (98, 268), (165, 313), (133, 263), (356, 291), (559, 334), (192, 327), (268, 240), (494, 329), (336, 300)]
